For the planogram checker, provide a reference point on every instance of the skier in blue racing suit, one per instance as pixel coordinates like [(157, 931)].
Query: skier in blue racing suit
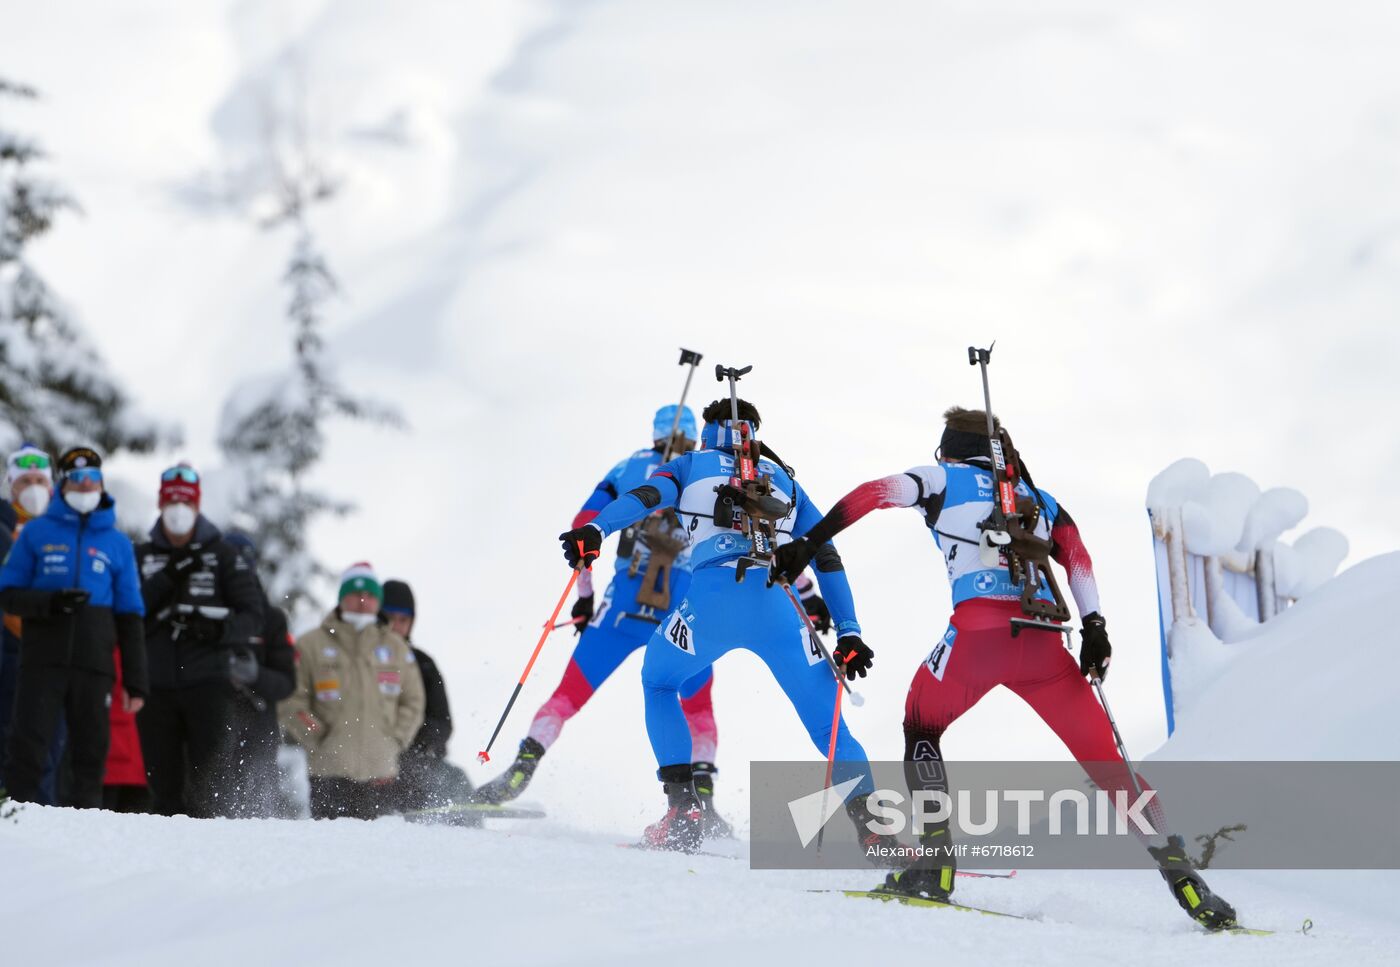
[(720, 613), (621, 624)]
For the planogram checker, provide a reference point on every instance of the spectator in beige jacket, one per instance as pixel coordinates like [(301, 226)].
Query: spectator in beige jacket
[(358, 702)]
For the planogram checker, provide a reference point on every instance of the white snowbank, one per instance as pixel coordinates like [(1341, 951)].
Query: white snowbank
[(1183, 481), (1215, 520), (1278, 509), (1316, 682), (1315, 558)]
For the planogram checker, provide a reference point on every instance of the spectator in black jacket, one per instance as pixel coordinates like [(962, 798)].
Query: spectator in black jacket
[(71, 577), (203, 608), (426, 778), (266, 675)]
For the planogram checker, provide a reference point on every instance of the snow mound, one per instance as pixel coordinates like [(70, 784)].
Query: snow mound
[(1314, 683)]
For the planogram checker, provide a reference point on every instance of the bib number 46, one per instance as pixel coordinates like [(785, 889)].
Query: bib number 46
[(678, 633)]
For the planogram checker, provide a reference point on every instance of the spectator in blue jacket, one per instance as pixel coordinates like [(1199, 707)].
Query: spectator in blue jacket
[(29, 479), (72, 577)]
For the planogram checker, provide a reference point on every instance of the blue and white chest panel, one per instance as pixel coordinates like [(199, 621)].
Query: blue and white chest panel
[(967, 494), (711, 545)]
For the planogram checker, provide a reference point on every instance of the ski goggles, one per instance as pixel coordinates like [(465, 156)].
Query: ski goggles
[(84, 475), (31, 461), (187, 474)]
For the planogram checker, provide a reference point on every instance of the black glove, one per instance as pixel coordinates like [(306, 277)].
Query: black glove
[(179, 563), (582, 613), (68, 601), (242, 667), (790, 560), (818, 612), (858, 663), (1094, 652), (592, 540)]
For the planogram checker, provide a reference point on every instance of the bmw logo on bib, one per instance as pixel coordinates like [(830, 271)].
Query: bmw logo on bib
[(985, 581)]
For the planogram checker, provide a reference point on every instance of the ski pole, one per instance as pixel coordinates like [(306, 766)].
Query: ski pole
[(485, 754), (856, 699), (565, 624), (692, 359), (1097, 682), (831, 748)]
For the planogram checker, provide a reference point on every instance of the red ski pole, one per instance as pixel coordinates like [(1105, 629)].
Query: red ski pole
[(485, 754), (831, 749)]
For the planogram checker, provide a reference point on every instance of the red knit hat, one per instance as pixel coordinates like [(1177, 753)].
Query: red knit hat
[(179, 484)]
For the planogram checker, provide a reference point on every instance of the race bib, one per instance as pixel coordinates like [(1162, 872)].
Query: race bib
[(814, 652), (678, 633), (937, 660)]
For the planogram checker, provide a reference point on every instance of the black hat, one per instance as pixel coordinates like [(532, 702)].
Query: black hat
[(398, 598), (965, 434), (76, 458)]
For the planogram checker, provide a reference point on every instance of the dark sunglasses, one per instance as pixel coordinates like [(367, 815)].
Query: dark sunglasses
[(187, 474)]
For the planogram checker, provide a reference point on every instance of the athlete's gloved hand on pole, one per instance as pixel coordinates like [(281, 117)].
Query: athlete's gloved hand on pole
[(1094, 652), (854, 655), (582, 612), (582, 544), (790, 560)]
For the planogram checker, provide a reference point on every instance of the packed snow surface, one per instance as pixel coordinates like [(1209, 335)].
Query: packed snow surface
[(97, 888), (94, 887)]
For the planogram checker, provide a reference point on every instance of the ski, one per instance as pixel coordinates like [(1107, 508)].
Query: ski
[(1305, 929), (475, 809), (914, 901), (911, 901)]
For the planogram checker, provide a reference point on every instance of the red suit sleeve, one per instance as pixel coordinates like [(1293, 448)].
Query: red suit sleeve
[(1071, 554)]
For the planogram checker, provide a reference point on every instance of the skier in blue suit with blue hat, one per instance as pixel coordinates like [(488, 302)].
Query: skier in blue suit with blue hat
[(720, 613), (652, 572)]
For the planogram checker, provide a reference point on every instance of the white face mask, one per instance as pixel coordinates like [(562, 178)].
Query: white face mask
[(34, 499), (178, 518), (84, 502), (359, 621)]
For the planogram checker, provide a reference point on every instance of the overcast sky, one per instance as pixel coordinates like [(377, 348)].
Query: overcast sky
[(1181, 225)]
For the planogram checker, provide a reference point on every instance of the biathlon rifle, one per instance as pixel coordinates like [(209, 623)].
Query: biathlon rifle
[(747, 502), (1009, 533)]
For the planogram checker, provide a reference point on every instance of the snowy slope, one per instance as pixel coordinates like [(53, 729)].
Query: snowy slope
[(1317, 682), (540, 201), (95, 888), (86, 888), (1178, 221)]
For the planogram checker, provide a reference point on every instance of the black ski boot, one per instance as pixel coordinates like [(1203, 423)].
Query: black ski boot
[(513, 781), (681, 829), (1203, 906), (932, 874), (874, 843), (713, 825)]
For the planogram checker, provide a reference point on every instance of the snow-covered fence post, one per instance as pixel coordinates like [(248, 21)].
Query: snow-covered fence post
[(1224, 524), (1264, 583)]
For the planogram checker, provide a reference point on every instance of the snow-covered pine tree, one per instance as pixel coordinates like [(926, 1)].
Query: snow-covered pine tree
[(54, 388), (273, 428)]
